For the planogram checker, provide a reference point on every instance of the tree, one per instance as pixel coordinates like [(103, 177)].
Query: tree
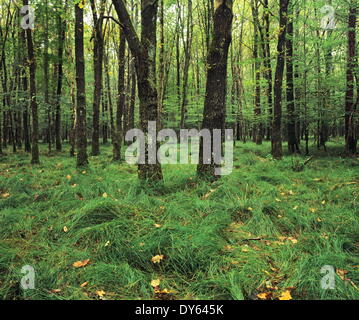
[(144, 52), (351, 138), (277, 152), (81, 134), (293, 146), (61, 29), (98, 52), (216, 87), (35, 159)]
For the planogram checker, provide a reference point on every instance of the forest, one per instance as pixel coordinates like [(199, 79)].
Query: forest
[(187, 88)]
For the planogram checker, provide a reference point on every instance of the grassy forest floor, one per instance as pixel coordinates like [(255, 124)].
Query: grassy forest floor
[(261, 232)]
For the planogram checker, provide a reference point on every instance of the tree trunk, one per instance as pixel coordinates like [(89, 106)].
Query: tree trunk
[(293, 146), (59, 70), (216, 87), (81, 136), (98, 67), (277, 151), (35, 159), (121, 100), (144, 52), (351, 139)]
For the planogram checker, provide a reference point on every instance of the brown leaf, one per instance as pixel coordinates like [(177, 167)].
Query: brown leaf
[(81, 264)]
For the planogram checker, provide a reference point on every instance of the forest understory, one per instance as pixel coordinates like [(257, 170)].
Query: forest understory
[(263, 232)]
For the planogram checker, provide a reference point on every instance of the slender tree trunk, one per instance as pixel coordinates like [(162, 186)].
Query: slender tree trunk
[(35, 159), (258, 127), (98, 67), (277, 151), (351, 139), (187, 51), (293, 146), (59, 70), (121, 100), (81, 128)]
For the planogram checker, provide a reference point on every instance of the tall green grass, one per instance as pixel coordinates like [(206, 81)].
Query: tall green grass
[(219, 240)]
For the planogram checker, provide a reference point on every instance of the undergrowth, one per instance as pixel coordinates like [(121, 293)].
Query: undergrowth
[(263, 229)]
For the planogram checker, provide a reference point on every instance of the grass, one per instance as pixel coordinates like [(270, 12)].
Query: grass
[(263, 229)]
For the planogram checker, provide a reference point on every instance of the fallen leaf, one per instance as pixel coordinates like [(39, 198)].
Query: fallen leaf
[(68, 177), (155, 283), (55, 290), (5, 195), (84, 284), (264, 295), (157, 259), (65, 229), (286, 295), (105, 195), (81, 264), (157, 225), (100, 293), (342, 274)]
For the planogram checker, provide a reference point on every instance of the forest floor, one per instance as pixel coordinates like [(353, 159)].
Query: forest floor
[(264, 232)]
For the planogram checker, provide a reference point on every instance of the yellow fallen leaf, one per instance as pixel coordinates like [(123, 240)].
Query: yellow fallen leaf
[(157, 225), (313, 210), (68, 177), (264, 295), (5, 195), (65, 229), (250, 209), (105, 195), (157, 259), (155, 283), (81, 264), (286, 295), (100, 293), (84, 284)]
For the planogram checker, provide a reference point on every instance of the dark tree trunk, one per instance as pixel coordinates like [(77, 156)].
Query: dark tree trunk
[(81, 136), (144, 52), (351, 138), (216, 87), (277, 151), (35, 159), (293, 146), (258, 127), (121, 99), (59, 69), (98, 67)]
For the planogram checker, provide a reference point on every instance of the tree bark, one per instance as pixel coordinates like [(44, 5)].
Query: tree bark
[(277, 151), (351, 138), (35, 159), (98, 67), (216, 87), (144, 52), (81, 136)]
